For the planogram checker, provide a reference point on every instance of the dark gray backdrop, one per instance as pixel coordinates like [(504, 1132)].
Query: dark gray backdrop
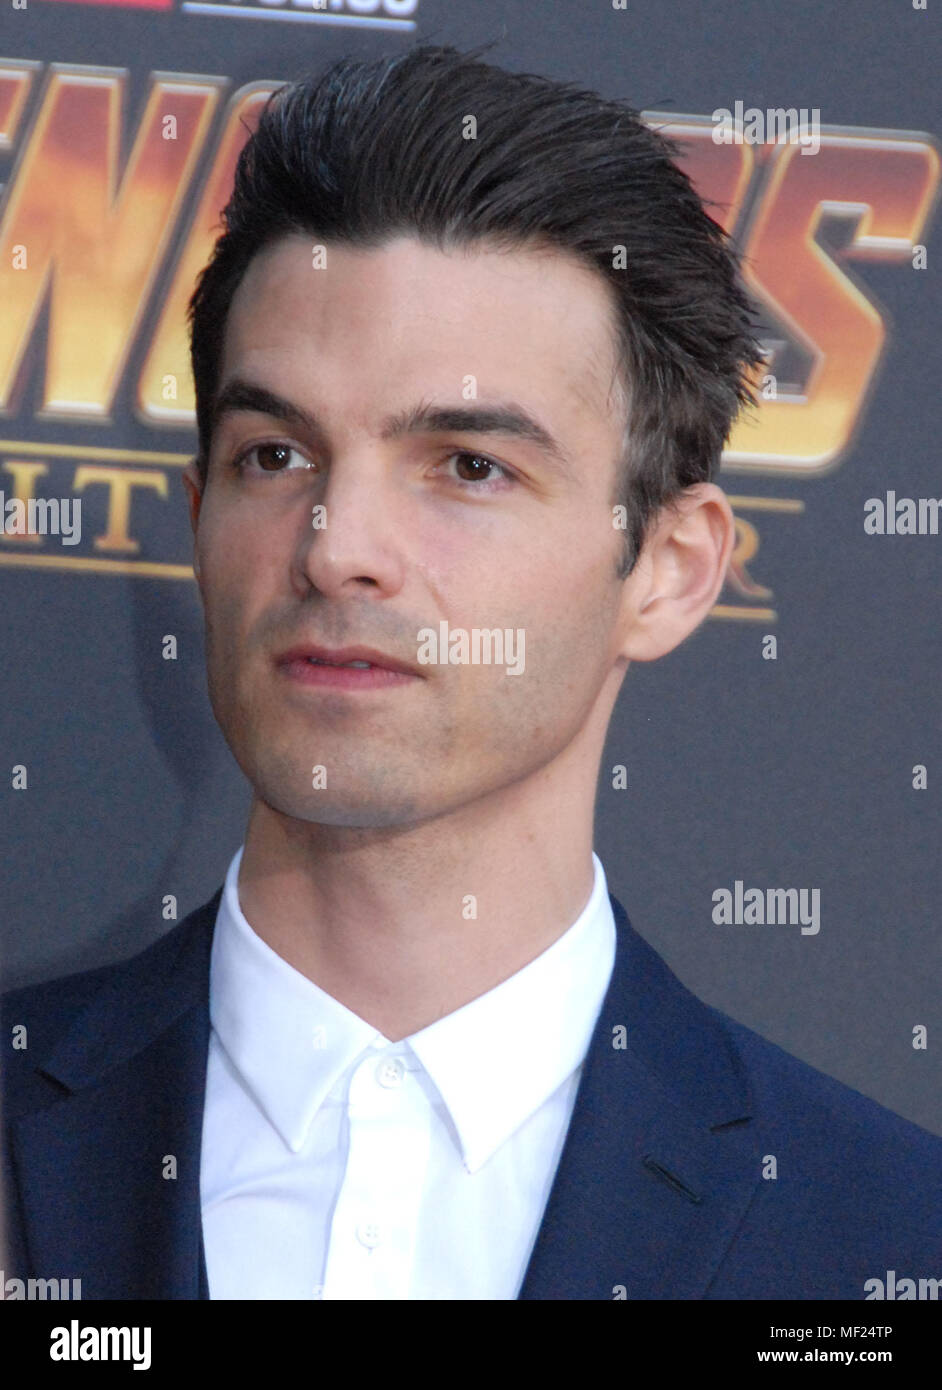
[(793, 773)]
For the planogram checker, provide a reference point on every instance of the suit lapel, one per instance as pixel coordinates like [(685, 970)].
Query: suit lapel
[(660, 1160), (120, 1147)]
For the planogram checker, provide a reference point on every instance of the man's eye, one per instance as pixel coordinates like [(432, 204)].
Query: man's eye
[(473, 470), (272, 458)]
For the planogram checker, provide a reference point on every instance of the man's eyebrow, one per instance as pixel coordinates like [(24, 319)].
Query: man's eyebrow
[(506, 419), (511, 420), (239, 394)]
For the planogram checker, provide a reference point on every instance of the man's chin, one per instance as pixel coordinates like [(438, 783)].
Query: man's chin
[(347, 812)]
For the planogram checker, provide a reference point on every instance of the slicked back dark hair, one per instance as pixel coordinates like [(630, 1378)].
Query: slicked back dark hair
[(373, 149)]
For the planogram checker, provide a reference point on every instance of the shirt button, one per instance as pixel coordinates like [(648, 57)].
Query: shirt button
[(390, 1072), (369, 1233)]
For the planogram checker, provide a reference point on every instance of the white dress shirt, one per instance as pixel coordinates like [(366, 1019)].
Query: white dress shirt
[(339, 1165)]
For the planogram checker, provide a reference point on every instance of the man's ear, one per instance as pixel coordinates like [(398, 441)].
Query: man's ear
[(193, 484), (679, 573)]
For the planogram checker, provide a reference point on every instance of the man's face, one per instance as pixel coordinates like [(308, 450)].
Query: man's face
[(419, 530)]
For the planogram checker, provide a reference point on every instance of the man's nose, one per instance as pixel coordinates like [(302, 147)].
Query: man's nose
[(352, 534)]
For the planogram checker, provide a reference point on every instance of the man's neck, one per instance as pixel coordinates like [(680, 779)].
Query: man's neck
[(405, 925)]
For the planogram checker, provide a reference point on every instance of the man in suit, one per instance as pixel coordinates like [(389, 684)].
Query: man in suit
[(466, 357)]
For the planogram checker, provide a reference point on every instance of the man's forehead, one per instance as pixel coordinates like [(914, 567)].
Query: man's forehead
[(535, 320)]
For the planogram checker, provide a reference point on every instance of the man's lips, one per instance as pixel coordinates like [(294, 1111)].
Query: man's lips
[(340, 657), (323, 668)]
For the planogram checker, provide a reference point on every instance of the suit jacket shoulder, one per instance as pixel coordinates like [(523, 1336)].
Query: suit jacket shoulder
[(102, 1118), (846, 1183), (49, 1011), (703, 1161)]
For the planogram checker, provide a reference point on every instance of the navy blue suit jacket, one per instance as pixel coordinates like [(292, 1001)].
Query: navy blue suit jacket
[(659, 1193)]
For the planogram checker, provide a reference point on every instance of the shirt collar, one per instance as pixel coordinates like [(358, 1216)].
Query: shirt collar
[(494, 1061)]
